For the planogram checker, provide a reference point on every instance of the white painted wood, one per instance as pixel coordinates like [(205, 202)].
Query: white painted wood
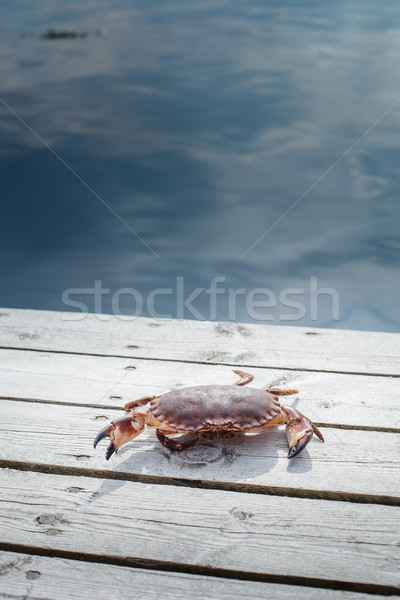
[(108, 381), (210, 342), (43, 578), (228, 530), (361, 462)]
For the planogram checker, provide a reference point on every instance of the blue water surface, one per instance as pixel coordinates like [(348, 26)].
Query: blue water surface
[(196, 126)]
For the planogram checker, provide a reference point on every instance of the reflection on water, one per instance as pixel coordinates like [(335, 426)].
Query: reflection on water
[(200, 125)]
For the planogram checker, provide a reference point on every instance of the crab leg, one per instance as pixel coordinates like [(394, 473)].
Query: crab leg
[(122, 430), (299, 430), (245, 378), (174, 444), (277, 392), (139, 402)]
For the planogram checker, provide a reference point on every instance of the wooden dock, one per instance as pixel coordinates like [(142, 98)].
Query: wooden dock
[(222, 519)]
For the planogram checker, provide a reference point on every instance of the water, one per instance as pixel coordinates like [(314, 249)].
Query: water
[(200, 124)]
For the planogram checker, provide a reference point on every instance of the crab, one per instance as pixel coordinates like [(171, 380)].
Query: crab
[(207, 409)]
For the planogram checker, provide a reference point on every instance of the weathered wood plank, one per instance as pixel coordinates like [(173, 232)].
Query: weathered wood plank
[(107, 381), (350, 462), (44, 578), (227, 530), (209, 342)]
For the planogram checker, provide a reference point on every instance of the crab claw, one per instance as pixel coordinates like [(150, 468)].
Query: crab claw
[(298, 435), (121, 431)]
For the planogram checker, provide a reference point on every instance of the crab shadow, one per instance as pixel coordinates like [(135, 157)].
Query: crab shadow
[(107, 487), (257, 458)]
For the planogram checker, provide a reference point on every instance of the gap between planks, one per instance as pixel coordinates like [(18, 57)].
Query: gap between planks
[(244, 488), (204, 362), (206, 571), (324, 397), (205, 341), (36, 576), (120, 409), (257, 536)]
